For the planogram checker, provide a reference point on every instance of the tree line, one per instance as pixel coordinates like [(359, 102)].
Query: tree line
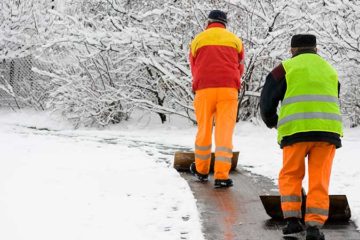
[(95, 62)]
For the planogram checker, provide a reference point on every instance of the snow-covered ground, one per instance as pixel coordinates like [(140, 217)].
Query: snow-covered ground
[(118, 183)]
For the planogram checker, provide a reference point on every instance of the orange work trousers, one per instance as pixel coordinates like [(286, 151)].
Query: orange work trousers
[(320, 157), (219, 105)]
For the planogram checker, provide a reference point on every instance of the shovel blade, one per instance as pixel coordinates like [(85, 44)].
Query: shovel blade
[(272, 205), (182, 160), (339, 209)]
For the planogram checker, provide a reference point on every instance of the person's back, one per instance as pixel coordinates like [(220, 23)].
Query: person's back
[(215, 53), (311, 101)]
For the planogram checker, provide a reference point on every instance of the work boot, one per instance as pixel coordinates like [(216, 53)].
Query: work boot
[(199, 176), (221, 183), (293, 225), (314, 233)]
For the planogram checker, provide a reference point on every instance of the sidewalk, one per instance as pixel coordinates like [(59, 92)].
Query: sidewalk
[(237, 213)]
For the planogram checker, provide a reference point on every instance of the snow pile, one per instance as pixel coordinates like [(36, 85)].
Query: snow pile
[(73, 185)]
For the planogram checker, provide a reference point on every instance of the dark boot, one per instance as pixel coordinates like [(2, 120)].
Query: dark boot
[(314, 233), (199, 176), (293, 225), (219, 183)]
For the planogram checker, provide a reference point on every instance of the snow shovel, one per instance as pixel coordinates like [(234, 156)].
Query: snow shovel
[(182, 161), (339, 209)]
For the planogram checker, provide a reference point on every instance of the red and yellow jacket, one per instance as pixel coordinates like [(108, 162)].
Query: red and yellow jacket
[(216, 58)]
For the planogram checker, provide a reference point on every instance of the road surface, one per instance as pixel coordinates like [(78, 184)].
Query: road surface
[(236, 213)]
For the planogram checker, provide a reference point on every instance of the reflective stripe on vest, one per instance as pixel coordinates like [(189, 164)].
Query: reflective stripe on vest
[(311, 98), (311, 115)]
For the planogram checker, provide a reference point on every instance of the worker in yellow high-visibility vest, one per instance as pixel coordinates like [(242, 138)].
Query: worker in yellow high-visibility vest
[(309, 125)]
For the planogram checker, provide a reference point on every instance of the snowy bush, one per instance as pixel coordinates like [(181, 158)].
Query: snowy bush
[(338, 26), (24, 28), (95, 61)]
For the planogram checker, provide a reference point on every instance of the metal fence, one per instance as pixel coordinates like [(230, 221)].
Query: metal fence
[(20, 85)]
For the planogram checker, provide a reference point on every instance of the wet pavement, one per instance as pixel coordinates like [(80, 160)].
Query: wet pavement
[(236, 213)]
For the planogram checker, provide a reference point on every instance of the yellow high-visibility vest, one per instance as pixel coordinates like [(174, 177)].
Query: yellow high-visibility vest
[(311, 100)]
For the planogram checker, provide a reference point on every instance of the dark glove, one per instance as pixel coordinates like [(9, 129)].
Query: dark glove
[(272, 122)]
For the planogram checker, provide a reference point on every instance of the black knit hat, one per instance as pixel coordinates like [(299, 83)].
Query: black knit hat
[(218, 16), (303, 40)]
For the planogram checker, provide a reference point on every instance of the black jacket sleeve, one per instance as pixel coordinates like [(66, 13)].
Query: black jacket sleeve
[(272, 93)]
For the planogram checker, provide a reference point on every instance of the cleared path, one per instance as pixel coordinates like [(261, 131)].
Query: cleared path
[(237, 213)]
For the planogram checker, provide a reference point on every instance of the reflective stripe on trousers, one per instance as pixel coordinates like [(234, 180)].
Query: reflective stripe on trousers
[(320, 157), (202, 158), (215, 106), (291, 206)]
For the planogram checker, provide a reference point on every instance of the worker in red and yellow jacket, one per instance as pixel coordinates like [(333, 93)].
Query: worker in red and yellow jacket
[(217, 64)]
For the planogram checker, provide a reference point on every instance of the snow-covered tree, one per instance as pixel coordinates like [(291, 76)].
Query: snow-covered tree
[(95, 61), (337, 23), (24, 27), (129, 57), (266, 28)]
